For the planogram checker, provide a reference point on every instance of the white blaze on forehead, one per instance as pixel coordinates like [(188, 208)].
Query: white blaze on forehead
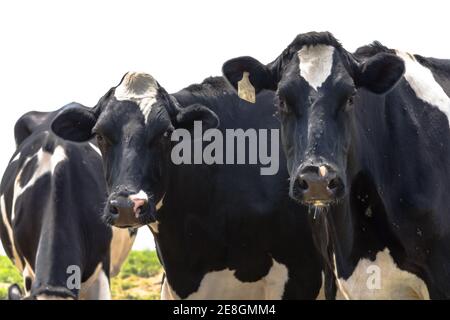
[(140, 88), (315, 64), (422, 81), (225, 286)]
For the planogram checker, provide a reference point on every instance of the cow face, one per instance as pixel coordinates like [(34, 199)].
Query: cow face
[(132, 123), (318, 85)]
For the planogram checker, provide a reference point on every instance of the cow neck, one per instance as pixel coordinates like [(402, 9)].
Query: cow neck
[(337, 231), (351, 227), (181, 229), (335, 238)]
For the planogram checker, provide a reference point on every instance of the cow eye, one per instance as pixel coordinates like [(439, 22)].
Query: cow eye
[(350, 99), (168, 132), (101, 141), (349, 103), (283, 107)]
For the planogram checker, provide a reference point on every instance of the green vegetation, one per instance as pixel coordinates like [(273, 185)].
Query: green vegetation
[(8, 275), (142, 264), (139, 279), (8, 272)]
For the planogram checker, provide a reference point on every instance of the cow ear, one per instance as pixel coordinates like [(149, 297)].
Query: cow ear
[(74, 123), (196, 112), (380, 73), (259, 75), (27, 123)]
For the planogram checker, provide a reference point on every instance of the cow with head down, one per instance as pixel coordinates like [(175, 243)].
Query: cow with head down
[(51, 226), (367, 143), (222, 231)]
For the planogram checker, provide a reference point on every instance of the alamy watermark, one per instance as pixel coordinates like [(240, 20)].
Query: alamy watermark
[(374, 279), (240, 146), (74, 277)]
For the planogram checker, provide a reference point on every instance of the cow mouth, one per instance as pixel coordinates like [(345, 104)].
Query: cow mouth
[(317, 200), (319, 203), (49, 292), (129, 220), (317, 208)]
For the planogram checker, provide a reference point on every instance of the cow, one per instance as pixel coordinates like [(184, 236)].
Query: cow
[(367, 140), (51, 199), (221, 231)]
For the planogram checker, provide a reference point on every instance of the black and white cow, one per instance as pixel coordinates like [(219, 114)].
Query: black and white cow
[(368, 145), (51, 199), (222, 231)]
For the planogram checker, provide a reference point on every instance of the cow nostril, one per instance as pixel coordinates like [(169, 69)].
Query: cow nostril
[(113, 207), (139, 206), (333, 184), (113, 210), (138, 209), (303, 184)]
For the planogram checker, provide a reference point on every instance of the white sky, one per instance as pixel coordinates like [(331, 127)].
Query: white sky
[(55, 52)]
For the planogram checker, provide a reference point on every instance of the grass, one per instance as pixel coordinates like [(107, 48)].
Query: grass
[(139, 279)]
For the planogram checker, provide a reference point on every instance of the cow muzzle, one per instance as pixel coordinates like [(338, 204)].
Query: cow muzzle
[(129, 209), (317, 185)]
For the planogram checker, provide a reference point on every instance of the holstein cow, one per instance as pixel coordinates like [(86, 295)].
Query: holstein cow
[(51, 199), (367, 143), (222, 231)]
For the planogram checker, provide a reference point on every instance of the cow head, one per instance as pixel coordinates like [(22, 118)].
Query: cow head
[(318, 84), (133, 123)]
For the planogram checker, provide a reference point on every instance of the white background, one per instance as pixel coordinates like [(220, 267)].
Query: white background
[(55, 52)]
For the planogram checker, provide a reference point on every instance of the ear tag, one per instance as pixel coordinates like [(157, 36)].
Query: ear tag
[(246, 91)]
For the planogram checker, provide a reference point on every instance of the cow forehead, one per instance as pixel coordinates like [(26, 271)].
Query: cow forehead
[(140, 88), (136, 85), (315, 64)]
